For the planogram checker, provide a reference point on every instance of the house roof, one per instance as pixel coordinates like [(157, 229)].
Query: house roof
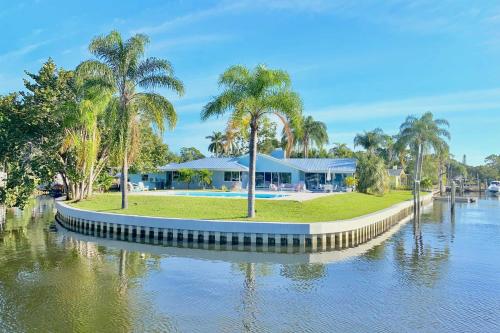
[(209, 163), (335, 165), (395, 172), (339, 165)]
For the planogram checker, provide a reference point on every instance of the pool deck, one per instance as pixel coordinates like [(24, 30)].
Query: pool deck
[(288, 195)]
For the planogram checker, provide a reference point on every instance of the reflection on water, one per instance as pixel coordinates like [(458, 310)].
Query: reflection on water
[(443, 275)]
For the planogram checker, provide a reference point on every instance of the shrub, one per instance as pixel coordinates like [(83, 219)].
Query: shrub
[(351, 181), (372, 174), (186, 176), (426, 183), (204, 177)]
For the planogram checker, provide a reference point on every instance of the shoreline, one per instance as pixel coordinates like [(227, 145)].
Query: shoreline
[(266, 236)]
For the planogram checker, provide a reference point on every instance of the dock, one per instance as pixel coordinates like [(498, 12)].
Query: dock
[(457, 199)]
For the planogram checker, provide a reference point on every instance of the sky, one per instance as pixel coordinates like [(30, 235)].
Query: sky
[(357, 64)]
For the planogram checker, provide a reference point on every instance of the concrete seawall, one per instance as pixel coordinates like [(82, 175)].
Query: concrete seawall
[(239, 235)]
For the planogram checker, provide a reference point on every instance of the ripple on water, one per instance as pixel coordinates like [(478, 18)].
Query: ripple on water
[(446, 278)]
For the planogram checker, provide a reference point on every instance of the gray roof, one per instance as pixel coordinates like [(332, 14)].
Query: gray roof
[(395, 172), (339, 165), (334, 165), (209, 163)]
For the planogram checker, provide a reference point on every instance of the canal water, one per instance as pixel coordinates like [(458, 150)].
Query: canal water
[(441, 277)]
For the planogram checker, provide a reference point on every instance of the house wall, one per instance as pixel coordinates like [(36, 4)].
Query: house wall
[(156, 181)]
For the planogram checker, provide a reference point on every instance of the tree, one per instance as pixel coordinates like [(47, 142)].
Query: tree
[(83, 140), (32, 130), (204, 177), (152, 152), (187, 176), (120, 66), (372, 174), (238, 134), (216, 145), (370, 141), (190, 154), (311, 133), (252, 95), (422, 134), (341, 150)]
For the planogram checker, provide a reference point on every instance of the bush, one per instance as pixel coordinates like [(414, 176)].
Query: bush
[(372, 174), (426, 183), (103, 182), (351, 181), (204, 177), (187, 176)]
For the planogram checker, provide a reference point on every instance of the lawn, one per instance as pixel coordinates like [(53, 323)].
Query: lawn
[(329, 208)]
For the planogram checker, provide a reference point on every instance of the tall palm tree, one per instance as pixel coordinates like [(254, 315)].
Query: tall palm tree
[(420, 135), (370, 140), (121, 67), (252, 95), (312, 132), (216, 145)]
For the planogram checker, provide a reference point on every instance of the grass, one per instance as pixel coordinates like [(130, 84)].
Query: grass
[(328, 208)]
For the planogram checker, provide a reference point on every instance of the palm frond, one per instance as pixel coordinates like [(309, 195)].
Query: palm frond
[(154, 81), (157, 109), (220, 104)]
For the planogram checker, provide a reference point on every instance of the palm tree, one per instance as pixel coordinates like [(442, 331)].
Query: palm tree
[(312, 132), (252, 95), (83, 138), (121, 67), (216, 145), (341, 150), (370, 140), (420, 135)]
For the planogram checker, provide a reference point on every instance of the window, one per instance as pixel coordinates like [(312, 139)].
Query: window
[(175, 175), (259, 179), (144, 177), (313, 180), (275, 178), (232, 176), (285, 178), (267, 177)]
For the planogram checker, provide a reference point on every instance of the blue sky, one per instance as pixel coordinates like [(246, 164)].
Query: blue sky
[(356, 64)]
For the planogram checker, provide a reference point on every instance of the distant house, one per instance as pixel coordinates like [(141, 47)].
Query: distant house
[(397, 177), (276, 170)]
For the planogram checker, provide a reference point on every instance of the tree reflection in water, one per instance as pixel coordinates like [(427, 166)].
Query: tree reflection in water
[(44, 275), (420, 261)]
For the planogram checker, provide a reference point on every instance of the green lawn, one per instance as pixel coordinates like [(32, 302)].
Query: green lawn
[(329, 208)]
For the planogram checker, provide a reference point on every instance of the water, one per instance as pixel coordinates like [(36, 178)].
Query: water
[(447, 279), (230, 195)]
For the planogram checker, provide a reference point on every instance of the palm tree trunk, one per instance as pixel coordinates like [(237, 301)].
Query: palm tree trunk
[(76, 191), (124, 180), (252, 152), (66, 185), (306, 147), (91, 181)]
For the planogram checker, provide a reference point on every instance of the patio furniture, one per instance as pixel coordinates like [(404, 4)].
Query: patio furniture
[(328, 188), (287, 187)]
